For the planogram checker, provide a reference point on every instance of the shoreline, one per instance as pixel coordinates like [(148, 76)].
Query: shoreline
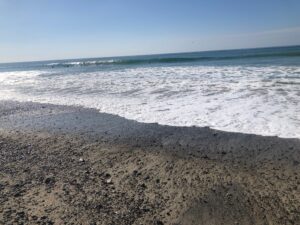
[(63, 165)]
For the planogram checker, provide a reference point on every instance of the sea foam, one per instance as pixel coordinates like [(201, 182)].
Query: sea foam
[(262, 100)]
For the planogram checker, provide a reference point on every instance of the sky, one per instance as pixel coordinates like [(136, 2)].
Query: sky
[(61, 29)]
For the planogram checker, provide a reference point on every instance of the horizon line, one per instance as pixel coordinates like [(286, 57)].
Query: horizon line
[(151, 54)]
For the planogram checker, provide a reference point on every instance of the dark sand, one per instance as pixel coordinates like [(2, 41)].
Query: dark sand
[(69, 165)]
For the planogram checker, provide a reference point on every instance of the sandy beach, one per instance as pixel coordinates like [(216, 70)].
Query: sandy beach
[(72, 165)]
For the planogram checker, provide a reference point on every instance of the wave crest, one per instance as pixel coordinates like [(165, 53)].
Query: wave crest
[(173, 59)]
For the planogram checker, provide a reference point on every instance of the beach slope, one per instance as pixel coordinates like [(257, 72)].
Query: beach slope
[(71, 165)]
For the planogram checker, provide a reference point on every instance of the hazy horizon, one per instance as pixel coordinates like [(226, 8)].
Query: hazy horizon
[(164, 53), (57, 30)]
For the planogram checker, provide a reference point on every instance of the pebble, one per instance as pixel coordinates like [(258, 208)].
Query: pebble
[(49, 180), (158, 222), (143, 186), (109, 181)]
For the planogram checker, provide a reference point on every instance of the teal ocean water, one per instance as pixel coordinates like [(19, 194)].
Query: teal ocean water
[(249, 90)]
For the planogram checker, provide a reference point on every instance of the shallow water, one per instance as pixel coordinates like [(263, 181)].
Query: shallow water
[(251, 91)]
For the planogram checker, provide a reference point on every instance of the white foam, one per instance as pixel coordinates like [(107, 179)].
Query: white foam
[(260, 100), (82, 63)]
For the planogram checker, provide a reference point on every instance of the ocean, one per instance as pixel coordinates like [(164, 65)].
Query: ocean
[(250, 90)]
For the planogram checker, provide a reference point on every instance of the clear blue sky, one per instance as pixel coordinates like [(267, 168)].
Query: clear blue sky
[(57, 29)]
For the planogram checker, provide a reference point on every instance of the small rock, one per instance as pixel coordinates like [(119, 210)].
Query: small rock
[(205, 172), (21, 214), (81, 160), (49, 180), (109, 181), (158, 222), (205, 157), (296, 163), (228, 195), (145, 209), (143, 186), (135, 173), (98, 207), (43, 217), (34, 217)]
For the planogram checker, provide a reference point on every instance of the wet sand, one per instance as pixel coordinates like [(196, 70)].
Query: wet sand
[(70, 165)]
